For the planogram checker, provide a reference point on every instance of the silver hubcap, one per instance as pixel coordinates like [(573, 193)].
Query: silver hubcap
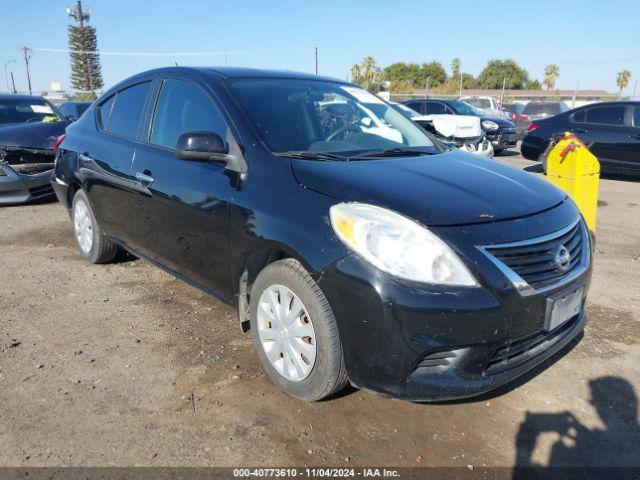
[(286, 333), (83, 226)]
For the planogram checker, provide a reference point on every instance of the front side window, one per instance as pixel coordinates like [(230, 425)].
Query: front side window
[(310, 115), (611, 115), (184, 107), (31, 110), (436, 108), (126, 110)]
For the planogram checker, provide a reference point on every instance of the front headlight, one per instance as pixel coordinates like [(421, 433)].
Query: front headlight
[(489, 125), (398, 245)]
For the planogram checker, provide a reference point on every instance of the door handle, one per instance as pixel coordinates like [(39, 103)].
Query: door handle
[(578, 130), (144, 178), (635, 135)]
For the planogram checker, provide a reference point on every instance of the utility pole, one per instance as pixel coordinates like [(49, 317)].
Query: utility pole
[(26, 51), (13, 83), (575, 94), (6, 75), (426, 90), (504, 84), (316, 60), (635, 85), (460, 95)]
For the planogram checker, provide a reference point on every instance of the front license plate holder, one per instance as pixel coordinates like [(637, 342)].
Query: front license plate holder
[(563, 307)]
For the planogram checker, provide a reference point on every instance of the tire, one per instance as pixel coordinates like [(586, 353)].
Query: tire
[(92, 243), (320, 373), (498, 151)]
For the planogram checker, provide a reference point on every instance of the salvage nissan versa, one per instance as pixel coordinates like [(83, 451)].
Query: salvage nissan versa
[(355, 247)]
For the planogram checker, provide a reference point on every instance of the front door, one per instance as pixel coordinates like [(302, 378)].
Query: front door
[(180, 216)]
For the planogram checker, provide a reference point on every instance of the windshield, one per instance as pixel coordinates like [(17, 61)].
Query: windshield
[(293, 115), (478, 102), (462, 108), (542, 108), (15, 110)]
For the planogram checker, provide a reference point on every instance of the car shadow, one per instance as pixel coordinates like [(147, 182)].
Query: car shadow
[(508, 153), (577, 446)]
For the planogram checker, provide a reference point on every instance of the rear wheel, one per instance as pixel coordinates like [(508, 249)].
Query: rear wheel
[(295, 332), (92, 243)]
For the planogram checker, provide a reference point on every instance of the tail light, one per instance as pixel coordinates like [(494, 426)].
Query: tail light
[(58, 141), (533, 127)]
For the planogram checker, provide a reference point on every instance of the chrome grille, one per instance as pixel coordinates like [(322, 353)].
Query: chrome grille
[(544, 262)]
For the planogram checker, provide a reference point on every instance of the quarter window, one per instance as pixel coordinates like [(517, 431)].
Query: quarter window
[(636, 117), (184, 107), (105, 111), (126, 111), (580, 116), (611, 115)]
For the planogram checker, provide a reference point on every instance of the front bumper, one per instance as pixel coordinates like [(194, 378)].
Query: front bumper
[(20, 188), (503, 138), (436, 343)]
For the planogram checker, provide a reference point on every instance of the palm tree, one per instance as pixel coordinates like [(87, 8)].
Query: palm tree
[(369, 69), (355, 73), (623, 80), (551, 72)]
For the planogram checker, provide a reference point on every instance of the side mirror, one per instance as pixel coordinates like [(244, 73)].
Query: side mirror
[(70, 118), (202, 146)]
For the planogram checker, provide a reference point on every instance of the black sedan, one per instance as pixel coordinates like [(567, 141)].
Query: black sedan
[(611, 129), (500, 132), (73, 110), (29, 129), (355, 249)]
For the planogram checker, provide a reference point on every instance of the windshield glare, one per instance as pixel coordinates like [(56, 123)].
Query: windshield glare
[(318, 116), (26, 111)]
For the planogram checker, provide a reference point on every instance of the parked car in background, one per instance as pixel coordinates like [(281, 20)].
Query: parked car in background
[(456, 131), (500, 132), (73, 110), (538, 110), (29, 128), (399, 266), (487, 105), (610, 129), (516, 116)]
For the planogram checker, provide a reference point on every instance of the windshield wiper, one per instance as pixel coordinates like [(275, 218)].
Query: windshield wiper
[(306, 154), (392, 152)]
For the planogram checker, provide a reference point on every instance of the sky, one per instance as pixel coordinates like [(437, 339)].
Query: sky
[(590, 40)]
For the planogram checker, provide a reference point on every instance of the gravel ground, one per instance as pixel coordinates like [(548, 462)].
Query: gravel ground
[(124, 365)]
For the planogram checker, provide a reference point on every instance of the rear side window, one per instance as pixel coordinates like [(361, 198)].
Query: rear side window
[(580, 116), (127, 110), (184, 107), (542, 108), (610, 115)]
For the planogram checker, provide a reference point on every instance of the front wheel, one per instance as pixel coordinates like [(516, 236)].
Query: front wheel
[(92, 243), (295, 332)]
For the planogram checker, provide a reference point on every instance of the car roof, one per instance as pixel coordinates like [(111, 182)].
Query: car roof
[(231, 73), (19, 96)]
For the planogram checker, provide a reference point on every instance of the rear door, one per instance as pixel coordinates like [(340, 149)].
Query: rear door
[(633, 147), (181, 215), (604, 127), (106, 164)]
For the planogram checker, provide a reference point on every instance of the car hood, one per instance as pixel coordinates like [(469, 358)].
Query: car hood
[(500, 121), (452, 188), (41, 135), (453, 126)]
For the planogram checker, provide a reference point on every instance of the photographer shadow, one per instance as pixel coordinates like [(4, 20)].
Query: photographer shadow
[(617, 445)]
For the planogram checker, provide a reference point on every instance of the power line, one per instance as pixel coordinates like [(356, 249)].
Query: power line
[(147, 54)]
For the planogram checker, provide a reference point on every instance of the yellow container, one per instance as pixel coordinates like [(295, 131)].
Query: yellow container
[(572, 167)]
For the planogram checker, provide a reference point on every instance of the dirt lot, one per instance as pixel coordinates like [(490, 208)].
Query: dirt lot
[(124, 365)]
